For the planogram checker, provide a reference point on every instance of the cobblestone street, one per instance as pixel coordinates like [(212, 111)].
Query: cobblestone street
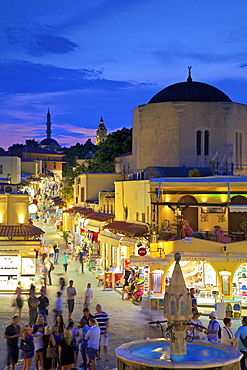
[(127, 322)]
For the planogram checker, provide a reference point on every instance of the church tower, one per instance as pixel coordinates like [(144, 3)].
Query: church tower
[(101, 132)]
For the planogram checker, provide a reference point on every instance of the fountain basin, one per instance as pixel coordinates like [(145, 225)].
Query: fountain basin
[(155, 354)]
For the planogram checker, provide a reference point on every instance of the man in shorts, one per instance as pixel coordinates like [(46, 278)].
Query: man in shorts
[(83, 331), (103, 322), (12, 333), (71, 293), (93, 338)]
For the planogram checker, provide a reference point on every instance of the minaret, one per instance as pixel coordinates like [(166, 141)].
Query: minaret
[(101, 132), (48, 124), (177, 311)]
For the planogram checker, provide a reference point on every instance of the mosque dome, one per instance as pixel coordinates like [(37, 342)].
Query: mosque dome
[(49, 141), (190, 91)]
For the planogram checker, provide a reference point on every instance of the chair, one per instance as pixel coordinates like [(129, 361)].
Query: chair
[(222, 238)]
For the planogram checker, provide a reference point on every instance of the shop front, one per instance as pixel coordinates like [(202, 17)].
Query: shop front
[(17, 264)]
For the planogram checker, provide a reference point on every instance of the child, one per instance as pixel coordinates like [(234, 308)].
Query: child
[(38, 347)]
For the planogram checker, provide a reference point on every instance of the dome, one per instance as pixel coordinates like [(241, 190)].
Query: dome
[(49, 141), (190, 91)]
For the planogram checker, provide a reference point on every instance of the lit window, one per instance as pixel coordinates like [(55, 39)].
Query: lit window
[(1, 168)]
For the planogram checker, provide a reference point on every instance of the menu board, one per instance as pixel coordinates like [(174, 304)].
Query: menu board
[(156, 282), (9, 265), (108, 280)]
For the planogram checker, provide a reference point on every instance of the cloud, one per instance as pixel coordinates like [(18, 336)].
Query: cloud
[(38, 40)]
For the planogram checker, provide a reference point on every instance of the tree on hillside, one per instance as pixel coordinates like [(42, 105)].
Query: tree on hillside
[(32, 142), (79, 151)]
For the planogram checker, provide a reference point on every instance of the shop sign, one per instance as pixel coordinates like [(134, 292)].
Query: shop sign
[(238, 259), (148, 264), (193, 258), (142, 251)]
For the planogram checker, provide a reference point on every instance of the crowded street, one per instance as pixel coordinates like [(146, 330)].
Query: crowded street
[(127, 322)]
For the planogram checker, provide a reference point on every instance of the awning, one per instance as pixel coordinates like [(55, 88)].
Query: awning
[(80, 210), (148, 261), (93, 226), (20, 231), (109, 238), (125, 241), (127, 228), (238, 208), (17, 245), (98, 216)]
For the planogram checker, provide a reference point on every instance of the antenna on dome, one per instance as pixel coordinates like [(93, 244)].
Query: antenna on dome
[(189, 79)]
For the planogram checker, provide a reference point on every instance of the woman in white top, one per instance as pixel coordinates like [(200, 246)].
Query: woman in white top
[(227, 334), (193, 330)]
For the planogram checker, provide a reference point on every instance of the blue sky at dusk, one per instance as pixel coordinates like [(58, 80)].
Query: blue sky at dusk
[(87, 59)]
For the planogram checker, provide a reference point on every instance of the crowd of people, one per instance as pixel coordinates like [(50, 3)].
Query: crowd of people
[(57, 346)]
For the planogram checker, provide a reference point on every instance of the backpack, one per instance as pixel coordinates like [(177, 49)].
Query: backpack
[(244, 341), (219, 332)]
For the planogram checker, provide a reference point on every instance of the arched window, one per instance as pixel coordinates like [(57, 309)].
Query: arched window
[(182, 308), (198, 143), (236, 149), (172, 308), (206, 143)]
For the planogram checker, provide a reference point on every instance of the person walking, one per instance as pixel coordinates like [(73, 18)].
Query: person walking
[(50, 268), (56, 253), (27, 355), (58, 308), (103, 322), (213, 328), (93, 338), (81, 260), (71, 293), (75, 334), (65, 261), (48, 341), (12, 333), (238, 340), (84, 329), (19, 300), (43, 304), (227, 334), (88, 296), (66, 350), (43, 273), (33, 303), (38, 346)]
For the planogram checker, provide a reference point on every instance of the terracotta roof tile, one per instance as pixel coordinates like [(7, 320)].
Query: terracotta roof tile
[(98, 216), (19, 231), (80, 210), (127, 228)]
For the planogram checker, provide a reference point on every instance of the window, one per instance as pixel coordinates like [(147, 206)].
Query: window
[(143, 217), (45, 164), (137, 216), (1, 168), (82, 194), (111, 209), (54, 165), (206, 143), (198, 143)]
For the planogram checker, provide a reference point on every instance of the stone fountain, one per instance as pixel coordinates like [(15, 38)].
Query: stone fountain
[(177, 353)]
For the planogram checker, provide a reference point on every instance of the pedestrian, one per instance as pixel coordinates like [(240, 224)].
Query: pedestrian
[(56, 253), (81, 260), (50, 268), (43, 304), (193, 300), (87, 315), (84, 329), (58, 308), (65, 261), (50, 251), (93, 338), (61, 283), (43, 251), (239, 340), (193, 330), (66, 350), (40, 322), (75, 334), (27, 355), (227, 334), (103, 322), (12, 333), (127, 273), (43, 274), (19, 300), (33, 303), (213, 328), (88, 296), (76, 263), (38, 346), (48, 341), (60, 324), (71, 293)]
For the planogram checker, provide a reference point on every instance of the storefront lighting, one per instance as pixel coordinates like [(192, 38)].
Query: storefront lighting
[(21, 218), (86, 222), (225, 273)]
